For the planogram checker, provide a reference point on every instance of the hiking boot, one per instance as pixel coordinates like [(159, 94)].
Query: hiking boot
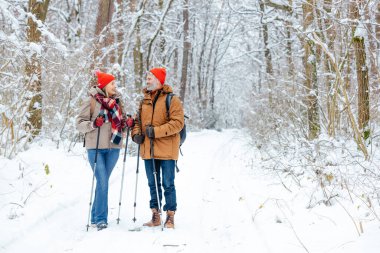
[(101, 225), (169, 223), (156, 220)]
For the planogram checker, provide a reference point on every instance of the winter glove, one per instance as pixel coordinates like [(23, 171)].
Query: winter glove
[(130, 121), (98, 122), (150, 132), (138, 138)]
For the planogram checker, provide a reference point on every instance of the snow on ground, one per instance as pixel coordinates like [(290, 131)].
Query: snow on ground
[(226, 203)]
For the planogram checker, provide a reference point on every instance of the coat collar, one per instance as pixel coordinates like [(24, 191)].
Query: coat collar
[(165, 90)]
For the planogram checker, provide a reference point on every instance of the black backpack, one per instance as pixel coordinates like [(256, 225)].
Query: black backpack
[(182, 133)]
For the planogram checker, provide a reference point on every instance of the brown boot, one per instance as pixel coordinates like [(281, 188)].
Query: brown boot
[(169, 223), (156, 220)]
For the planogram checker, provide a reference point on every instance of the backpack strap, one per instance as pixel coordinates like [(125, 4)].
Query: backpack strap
[(169, 97), (168, 101)]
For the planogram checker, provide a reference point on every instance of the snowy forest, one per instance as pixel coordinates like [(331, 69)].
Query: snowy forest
[(298, 79)]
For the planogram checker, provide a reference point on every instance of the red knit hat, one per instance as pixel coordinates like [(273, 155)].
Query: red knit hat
[(159, 73), (104, 79)]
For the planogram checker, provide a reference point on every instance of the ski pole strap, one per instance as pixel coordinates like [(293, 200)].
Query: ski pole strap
[(151, 149)]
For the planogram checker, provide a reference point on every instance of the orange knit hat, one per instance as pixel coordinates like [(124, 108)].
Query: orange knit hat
[(159, 73), (104, 79)]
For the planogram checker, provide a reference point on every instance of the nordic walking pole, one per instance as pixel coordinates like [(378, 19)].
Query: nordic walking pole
[(137, 177), (155, 181), (93, 178), (122, 175)]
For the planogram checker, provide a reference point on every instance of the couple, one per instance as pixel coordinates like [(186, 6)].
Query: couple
[(104, 109)]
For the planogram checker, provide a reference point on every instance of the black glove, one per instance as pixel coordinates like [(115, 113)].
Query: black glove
[(150, 132), (138, 138)]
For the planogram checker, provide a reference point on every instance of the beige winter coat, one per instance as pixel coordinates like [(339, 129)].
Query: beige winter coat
[(166, 131), (85, 120)]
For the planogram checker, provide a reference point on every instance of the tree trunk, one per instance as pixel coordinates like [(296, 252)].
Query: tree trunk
[(267, 54), (374, 73), (162, 44), (137, 55), (33, 67), (289, 54), (186, 50), (120, 31), (332, 109), (310, 73), (156, 33), (213, 34), (199, 64), (104, 18), (212, 95), (377, 30), (361, 69), (74, 34)]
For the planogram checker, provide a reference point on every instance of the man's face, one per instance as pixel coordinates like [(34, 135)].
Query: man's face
[(150, 80), (152, 83)]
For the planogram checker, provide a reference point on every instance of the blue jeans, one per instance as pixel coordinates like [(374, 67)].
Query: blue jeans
[(168, 174), (106, 161)]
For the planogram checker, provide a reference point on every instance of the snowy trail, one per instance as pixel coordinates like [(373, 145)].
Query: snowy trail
[(210, 217), (226, 203), (225, 224)]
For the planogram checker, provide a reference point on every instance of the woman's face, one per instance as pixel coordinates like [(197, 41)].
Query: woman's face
[(111, 88)]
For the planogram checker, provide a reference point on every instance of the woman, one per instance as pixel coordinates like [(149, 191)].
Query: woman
[(103, 109)]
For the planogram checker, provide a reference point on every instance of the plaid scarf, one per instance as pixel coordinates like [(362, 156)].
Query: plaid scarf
[(111, 112)]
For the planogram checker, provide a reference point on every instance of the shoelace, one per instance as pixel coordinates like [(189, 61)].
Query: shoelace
[(170, 219), (156, 217)]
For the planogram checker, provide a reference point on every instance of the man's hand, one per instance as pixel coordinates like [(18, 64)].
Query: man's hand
[(138, 138), (150, 132)]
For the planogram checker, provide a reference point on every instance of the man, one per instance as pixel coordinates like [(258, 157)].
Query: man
[(155, 126)]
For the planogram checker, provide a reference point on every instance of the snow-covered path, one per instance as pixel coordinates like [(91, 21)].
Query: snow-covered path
[(210, 216), (226, 203)]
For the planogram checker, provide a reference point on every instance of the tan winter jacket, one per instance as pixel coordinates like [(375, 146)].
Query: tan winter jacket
[(84, 121), (166, 131)]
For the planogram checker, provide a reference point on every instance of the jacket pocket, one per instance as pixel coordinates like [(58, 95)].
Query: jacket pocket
[(164, 148)]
